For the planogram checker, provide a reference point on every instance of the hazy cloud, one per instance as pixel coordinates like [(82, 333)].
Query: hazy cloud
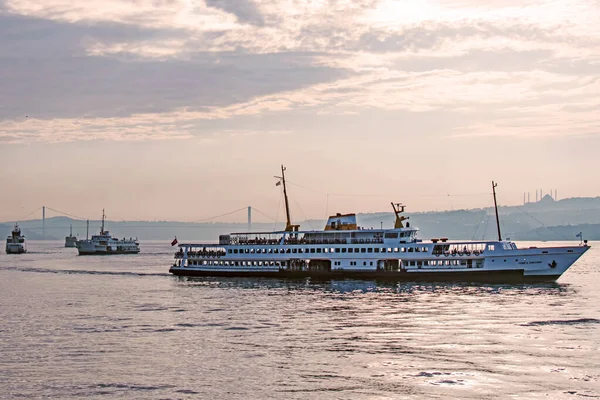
[(245, 10), (155, 68)]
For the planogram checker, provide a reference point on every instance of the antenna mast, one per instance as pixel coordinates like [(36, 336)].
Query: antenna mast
[(496, 208), (102, 228)]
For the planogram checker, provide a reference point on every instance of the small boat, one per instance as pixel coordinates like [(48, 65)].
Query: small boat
[(16, 243), (105, 244), (345, 250), (71, 241)]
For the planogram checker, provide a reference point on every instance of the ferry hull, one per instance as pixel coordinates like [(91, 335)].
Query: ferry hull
[(106, 253), (501, 276), (15, 250)]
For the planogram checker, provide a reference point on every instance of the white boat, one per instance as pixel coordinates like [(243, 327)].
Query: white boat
[(344, 250), (105, 244), (71, 241), (16, 243)]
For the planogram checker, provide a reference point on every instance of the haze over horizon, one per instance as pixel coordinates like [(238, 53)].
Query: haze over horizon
[(185, 109)]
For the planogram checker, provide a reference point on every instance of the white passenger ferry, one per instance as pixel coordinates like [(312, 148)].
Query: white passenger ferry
[(344, 250), (105, 244), (15, 242)]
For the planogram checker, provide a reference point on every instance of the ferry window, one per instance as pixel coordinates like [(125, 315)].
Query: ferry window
[(251, 251), (326, 250), (235, 251), (337, 249), (392, 235), (307, 250), (343, 249), (264, 251), (419, 263), (318, 250), (371, 263), (376, 249), (383, 249), (294, 250), (401, 234), (410, 249), (396, 250), (260, 264), (363, 250), (312, 250), (389, 250), (270, 251), (287, 250), (229, 251), (283, 263), (332, 250), (370, 250), (402, 250), (490, 247), (364, 263)]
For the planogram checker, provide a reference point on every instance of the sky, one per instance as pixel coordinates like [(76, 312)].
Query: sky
[(186, 109)]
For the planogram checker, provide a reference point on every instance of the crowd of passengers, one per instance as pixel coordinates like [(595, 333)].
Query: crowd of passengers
[(456, 252), (295, 240), (235, 240), (201, 253)]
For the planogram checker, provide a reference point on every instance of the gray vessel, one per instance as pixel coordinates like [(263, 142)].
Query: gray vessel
[(71, 241)]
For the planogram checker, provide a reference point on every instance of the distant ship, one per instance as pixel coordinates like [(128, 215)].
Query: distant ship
[(16, 243), (105, 244), (71, 241), (345, 250)]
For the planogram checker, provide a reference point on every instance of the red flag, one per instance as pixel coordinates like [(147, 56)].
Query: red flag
[(174, 242)]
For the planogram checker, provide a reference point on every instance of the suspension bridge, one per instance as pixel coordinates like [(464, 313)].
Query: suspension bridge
[(41, 225)]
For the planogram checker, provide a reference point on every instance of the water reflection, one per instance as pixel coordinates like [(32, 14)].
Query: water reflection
[(374, 286)]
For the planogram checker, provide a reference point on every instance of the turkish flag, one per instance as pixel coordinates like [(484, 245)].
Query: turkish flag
[(174, 242)]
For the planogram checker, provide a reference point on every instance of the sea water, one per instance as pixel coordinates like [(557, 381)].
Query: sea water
[(74, 327)]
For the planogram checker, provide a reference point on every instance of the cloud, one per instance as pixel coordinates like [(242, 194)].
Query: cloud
[(245, 10), (161, 69)]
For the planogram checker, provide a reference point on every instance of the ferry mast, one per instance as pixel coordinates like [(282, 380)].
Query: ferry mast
[(102, 228), (496, 208), (288, 225)]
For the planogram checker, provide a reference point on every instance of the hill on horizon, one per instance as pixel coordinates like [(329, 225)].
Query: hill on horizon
[(532, 221)]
